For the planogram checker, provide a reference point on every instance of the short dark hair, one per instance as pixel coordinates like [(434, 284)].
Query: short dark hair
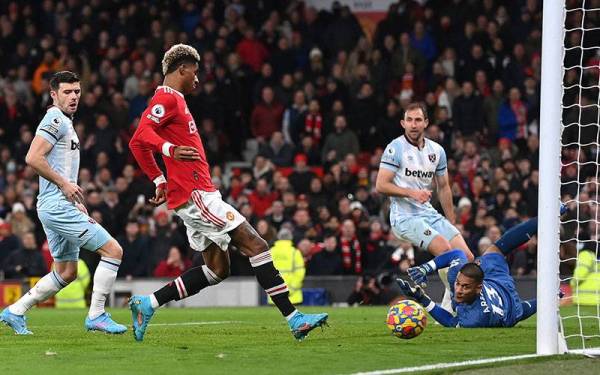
[(62, 77), (417, 105), (184, 60), (473, 270), (177, 55)]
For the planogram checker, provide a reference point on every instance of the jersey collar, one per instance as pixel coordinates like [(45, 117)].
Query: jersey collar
[(413, 144), (63, 112), (170, 88)]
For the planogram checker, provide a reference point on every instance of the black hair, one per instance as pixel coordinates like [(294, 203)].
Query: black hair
[(187, 59), (473, 270), (62, 77)]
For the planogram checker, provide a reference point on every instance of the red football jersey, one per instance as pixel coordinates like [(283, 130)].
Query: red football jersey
[(165, 123)]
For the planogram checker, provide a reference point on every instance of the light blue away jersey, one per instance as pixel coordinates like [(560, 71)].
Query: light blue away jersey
[(415, 169), (57, 128)]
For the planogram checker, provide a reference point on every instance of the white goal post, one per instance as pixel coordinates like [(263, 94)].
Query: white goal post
[(570, 142), (547, 339)]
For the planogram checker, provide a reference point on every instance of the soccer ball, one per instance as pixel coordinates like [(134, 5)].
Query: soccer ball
[(406, 319)]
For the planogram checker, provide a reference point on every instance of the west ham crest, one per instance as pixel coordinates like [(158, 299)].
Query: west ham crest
[(432, 158)]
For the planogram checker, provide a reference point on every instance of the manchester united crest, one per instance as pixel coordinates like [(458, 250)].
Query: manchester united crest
[(432, 158)]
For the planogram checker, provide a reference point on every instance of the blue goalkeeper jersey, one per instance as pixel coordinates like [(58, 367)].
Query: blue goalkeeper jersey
[(498, 304)]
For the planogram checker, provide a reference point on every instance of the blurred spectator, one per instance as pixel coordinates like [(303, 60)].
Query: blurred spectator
[(351, 249), (467, 111), (266, 116), (278, 151), (26, 261), (135, 248), (292, 118), (251, 50), (163, 238), (262, 198), (512, 117), (276, 216), (174, 265), (388, 126), (289, 262), (340, 143), (8, 241), (19, 221), (301, 177), (491, 108), (328, 261)]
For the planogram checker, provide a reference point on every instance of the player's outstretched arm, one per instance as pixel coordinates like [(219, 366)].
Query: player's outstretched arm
[(36, 159), (437, 312), (418, 274)]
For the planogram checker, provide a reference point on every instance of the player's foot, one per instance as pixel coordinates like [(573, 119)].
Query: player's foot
[(141, 313), (104, 323), (302, 324), (17, 322)]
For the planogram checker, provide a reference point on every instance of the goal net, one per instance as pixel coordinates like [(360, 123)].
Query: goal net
[(570, 241)]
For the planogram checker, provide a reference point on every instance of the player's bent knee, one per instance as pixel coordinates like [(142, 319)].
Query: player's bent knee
[(112, 249), (438, 245), (69, 275), (257, 246), (223, 273)]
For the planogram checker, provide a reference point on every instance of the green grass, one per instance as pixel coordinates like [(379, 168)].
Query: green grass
[(257, 341)]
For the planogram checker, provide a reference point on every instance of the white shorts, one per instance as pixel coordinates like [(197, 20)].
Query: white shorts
[(421, 230), (208, 219)]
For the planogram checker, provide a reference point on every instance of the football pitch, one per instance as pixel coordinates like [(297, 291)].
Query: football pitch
[(257, 341)]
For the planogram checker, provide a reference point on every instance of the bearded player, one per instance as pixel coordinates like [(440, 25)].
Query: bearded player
[(167, 127), (408, 167)]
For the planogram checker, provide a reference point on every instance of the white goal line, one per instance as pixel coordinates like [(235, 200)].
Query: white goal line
[(445, 365)]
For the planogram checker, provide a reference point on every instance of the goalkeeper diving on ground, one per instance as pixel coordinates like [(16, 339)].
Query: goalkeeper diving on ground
[(483, 291)]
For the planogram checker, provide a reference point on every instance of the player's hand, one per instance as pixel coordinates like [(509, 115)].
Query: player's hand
[(160, 196), (81, 208), (185, 153), (73, 192), (419, 274), (421, 196), (413, 292)]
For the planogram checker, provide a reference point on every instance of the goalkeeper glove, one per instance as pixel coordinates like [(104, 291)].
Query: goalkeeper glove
[(414, 292), (418, 274)]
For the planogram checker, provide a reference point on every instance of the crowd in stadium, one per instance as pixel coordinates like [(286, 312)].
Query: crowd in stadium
[(294, 109)]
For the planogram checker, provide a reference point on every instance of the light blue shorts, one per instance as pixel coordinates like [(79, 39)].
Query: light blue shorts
[(421, 230), (69, 229)]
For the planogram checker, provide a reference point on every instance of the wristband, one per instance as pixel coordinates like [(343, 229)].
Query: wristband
[(166, 148), (160, 182)]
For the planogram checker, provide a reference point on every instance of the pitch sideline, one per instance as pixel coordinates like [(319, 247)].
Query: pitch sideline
[(446, 365)]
